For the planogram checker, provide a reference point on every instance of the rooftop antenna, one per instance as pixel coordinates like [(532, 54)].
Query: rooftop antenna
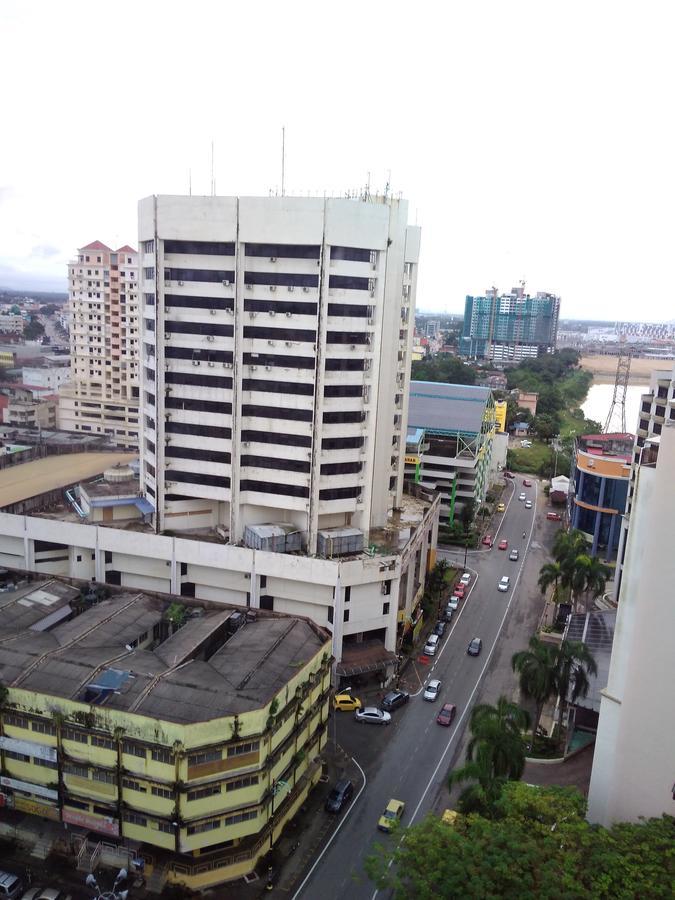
[(283, 160)]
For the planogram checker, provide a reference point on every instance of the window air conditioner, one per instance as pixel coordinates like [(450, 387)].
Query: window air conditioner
[(227, 365), (306, 290), (291, 288), (213, 311), (272, 343), (211, 363), (249, 287), (371, 321), (252, 315), (181, 283), (167, 335), (210, 337), (272, 312), (273, 259), (289, 343), (288, 315), (352, 347), (245, 443), (226, 283), (253, 368), (195, 362)]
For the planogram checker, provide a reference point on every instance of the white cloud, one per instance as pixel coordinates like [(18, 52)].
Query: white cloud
[(533, 140)]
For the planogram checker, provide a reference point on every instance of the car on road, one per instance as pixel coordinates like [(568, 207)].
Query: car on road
[(391, 817), (453, 602), (439, 628), (346, 702), (459, 591), (488, 540), (431, 645), (11, 886), (527, 482), (503, 544), (432, 690), (394, 699), (475, 647), (449, 610), (528, 504), (508, 474), (341, 793), (504, 583), (501, 507), (447, 714), (373, 715), (465, 579), (554, 516), (45, 894), (513, 555), (522, 495)]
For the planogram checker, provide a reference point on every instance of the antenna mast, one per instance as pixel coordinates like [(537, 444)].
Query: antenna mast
[(283, 159)]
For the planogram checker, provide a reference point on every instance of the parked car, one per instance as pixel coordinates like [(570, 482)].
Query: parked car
[(475, 647), (503, 544), (45, 894), (554, 516), (373, 715), (513, 555), (459, 591), (449, 610), (522, 495), (488, 540), (432, 690), (453, 602), (504, 583), (527, 482), (528, 504), (447, 714), (11, 886), (526, 444), (507, 474), (346, 702), (465, 579), (394, 699), (431, 645), (390, 818), (501, 507), (439, 628), (338, 797)]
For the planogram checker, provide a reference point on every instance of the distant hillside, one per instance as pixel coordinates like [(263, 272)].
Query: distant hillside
[(9, 295)]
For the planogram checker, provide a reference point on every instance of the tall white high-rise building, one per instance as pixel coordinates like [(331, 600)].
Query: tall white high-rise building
[(102, 397), (275, 361)]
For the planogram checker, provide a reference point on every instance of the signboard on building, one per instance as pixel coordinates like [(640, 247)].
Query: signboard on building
[(413, 460), (37, 809), (93, 823), (28, 748), (39, 789)]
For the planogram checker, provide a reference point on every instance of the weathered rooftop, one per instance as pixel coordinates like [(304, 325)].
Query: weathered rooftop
[(447, 408), (199, 673)]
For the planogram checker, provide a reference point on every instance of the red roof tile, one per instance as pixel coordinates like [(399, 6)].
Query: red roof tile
[(126, 249), (95, 245)]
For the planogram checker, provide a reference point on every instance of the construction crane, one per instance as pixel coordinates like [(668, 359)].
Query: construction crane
[(620, 385)]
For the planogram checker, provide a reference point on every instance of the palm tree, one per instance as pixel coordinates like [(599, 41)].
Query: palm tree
[(595, 574), (569, 544), (483, 793), (538, 675), (574, 664), (551, 574)]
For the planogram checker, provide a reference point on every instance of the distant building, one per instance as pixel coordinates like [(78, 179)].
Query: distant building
[(102, 397), (11, 324), (7, 359), (510, 327), (601, 478), (527, 400), (49, 376), (32, 413), (451, 428), (633, 774)]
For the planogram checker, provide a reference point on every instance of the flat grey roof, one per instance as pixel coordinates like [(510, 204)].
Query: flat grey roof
[(195, 675), (447, 408), (596, 630), (33, 604)]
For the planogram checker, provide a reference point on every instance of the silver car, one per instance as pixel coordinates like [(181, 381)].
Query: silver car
[(504, 583), (432, 690), (513, 555), (373, 715)]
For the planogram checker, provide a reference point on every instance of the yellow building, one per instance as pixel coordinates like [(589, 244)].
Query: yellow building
[(192, 748), (500, 415)]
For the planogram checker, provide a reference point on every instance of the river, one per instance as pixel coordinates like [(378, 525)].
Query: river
[(599, 399)]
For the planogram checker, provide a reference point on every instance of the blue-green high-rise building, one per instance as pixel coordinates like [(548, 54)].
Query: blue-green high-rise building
[(509, 327)]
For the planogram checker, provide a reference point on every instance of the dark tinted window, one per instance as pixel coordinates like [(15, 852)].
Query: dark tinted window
[(356, 254), (210, 275), (202, 380), (269, 487), (269, 462), (211, 406), (340, 493), (198, 328), (202, 430), (285, 251), (266, 437), (277, 387), (348, 282), (197, 478), (198, 302), (284, 279), (276, 412), (203, 248)]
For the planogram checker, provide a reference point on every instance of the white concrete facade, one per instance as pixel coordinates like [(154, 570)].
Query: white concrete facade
[(51, 377), (102, 397), (275, 367), (633, 766), (355, 599)]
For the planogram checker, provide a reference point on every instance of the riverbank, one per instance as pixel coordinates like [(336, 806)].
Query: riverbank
[(603, 368)]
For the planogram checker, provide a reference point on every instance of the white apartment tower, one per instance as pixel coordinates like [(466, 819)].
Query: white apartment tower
[(276, 344), (102, 397)]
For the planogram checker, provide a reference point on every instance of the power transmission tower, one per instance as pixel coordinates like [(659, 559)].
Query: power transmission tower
[(620, 387)]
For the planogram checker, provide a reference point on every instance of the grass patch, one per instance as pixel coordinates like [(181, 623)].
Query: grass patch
[(529, 459)]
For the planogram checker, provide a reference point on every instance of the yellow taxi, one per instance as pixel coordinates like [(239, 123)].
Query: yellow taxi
[(500, 507), (391, 817), (346, 702)]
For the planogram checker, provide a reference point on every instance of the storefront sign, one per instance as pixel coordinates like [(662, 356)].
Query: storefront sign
[(28, 748), (413, 460), (37, 809), (93, 823), (27, 788)]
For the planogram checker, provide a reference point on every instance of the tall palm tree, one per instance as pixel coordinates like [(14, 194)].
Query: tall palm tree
[(574, 663), (509, 716), (569, 544), (484, 790), (538, 676), (596, 574), (551, 574)]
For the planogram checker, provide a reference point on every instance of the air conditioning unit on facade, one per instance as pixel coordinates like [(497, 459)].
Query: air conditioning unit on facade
[(210, 337), (252, 315), (181, 283), (213, 312), (226, 283), (273, 287), (245, 443), (249, 287), (227, 365), (211, 364), (306, 290), (167, 335), (273, 259), (371, 321), (272, 312), (288, 315), (253, 368), (268, 368), (291, 288), (289, 343), (195, 362)]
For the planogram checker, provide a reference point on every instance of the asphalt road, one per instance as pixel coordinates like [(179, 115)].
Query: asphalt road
[(409, 759)]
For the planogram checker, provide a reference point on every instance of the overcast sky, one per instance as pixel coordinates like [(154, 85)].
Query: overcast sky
[(533, 140)]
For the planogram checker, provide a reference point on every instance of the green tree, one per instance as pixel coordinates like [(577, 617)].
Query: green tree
[(574, 663), (536, 668), (444, 367), (552, 574)]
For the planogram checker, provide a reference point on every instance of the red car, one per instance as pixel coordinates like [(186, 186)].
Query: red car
[(447, 714), (487, 540), (554, 516), (459, 591), (504, 545), (527, 482)]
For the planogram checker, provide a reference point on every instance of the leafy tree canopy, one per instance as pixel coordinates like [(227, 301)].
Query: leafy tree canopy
[(541, 849), (444, 367)]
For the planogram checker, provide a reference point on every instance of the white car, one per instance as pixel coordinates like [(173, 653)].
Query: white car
[(453, 603), (526, 444), (465, 579), (528, 504), (504, 583), (373, 715), (432, 690), (522, 495)]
